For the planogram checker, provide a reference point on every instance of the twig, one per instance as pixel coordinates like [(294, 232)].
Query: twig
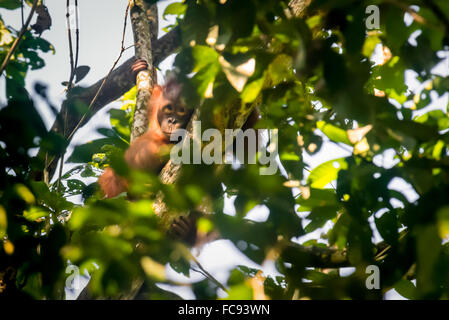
[(69, 86), (69, 33), (122, 49), (77, 34), (19, 38), (22, 12), (208, 275)]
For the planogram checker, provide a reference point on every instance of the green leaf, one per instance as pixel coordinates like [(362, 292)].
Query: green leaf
[(275, 288), (252, 90), (406, 288), (36, 213), (10, 4), (203, 56), (75, 186), (319, 216), (207, 67), (370, 44), (280, 70), (318, 197), (387, 225), (428, 252), (73, 171), (434, 117), (51, 199), (397, 31), (240, 292), (334, 133), (83, 153), (176, 8), (390, 76), (196, 24), (326, 173), (120, 123)]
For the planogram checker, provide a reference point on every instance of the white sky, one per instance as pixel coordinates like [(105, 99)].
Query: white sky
[(101, 25)]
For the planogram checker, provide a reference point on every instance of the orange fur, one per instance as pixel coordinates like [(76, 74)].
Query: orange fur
[(111, 184), (146, 152)]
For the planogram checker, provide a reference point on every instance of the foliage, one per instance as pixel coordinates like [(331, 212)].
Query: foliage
[(315, 81)]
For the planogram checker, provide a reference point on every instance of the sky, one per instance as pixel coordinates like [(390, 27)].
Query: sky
[(101, 26)]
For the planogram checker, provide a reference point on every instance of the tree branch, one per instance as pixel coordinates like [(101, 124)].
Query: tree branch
[(312, 256)]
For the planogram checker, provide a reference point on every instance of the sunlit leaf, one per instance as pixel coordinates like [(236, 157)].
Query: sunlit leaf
[(326, 173), (334, 133)]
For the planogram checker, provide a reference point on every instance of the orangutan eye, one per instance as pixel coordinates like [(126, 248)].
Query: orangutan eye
[(181, 111), (167, 109)]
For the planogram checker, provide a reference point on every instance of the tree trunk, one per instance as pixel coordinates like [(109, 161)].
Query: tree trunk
[(144, 20)]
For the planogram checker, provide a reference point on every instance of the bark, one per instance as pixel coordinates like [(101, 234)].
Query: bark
[(144, 19), (298, 7)]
